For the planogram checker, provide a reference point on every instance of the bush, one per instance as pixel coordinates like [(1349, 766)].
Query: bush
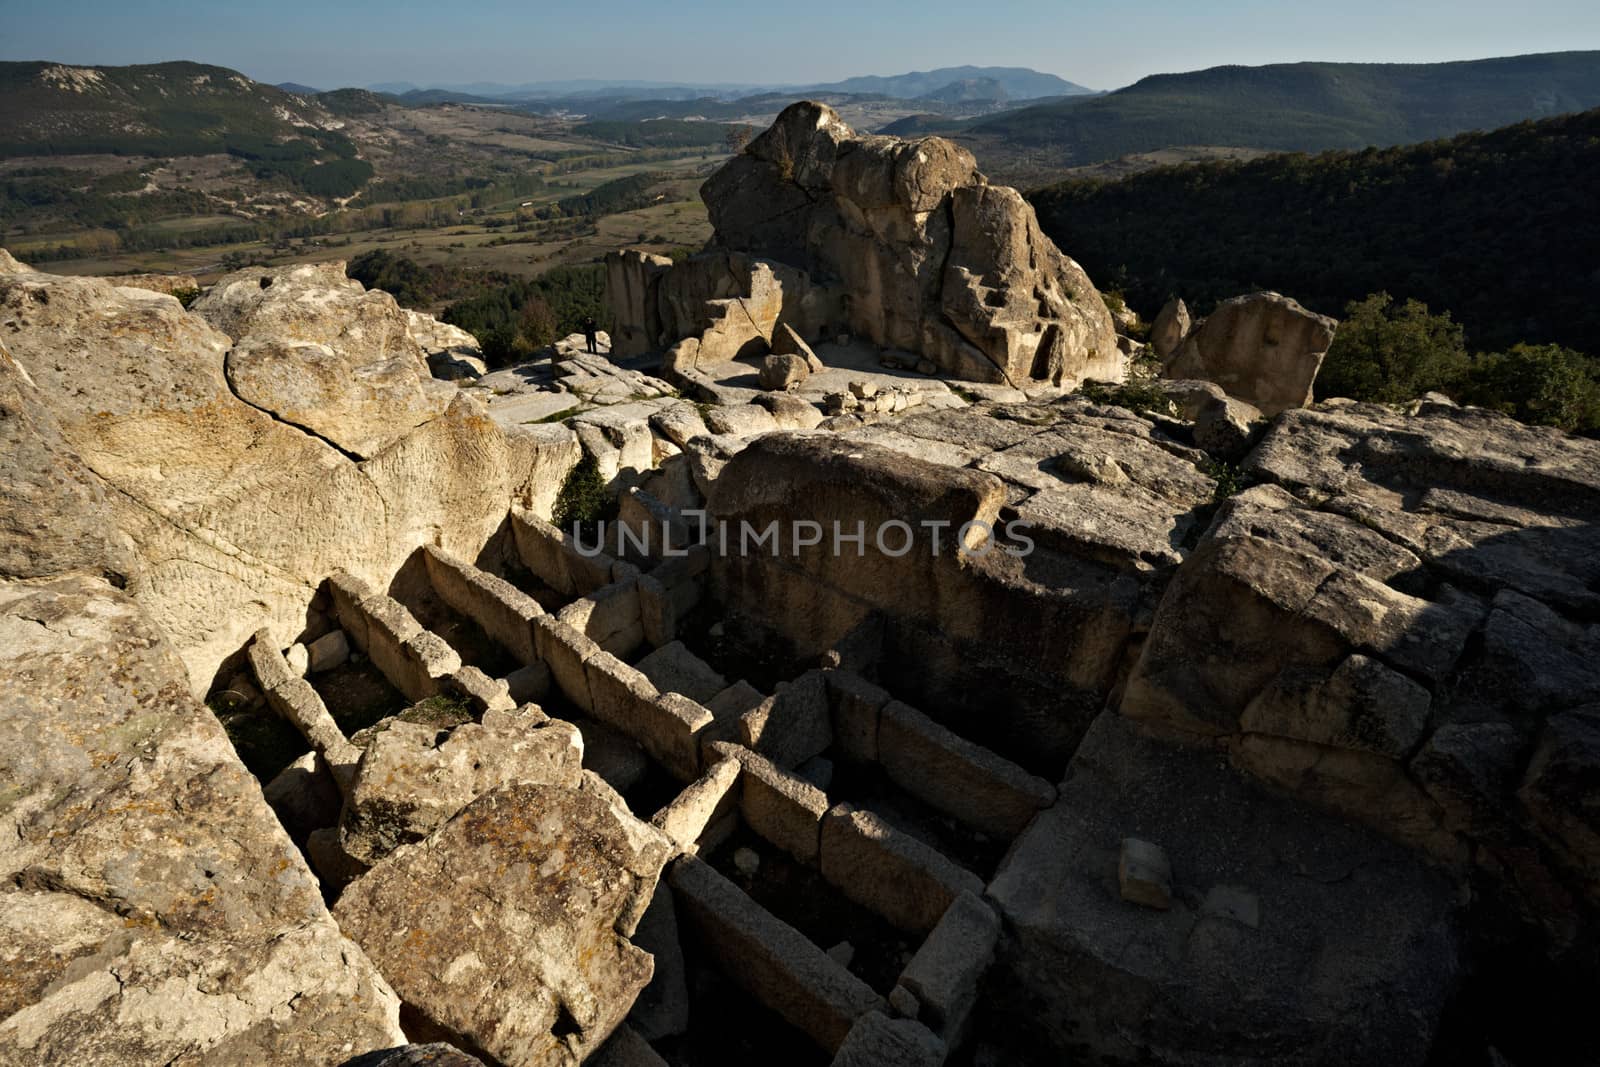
[(1390, 353), (1546, 385), (583, 499)]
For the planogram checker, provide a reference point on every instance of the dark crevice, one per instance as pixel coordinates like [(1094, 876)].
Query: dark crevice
[(227, 376)]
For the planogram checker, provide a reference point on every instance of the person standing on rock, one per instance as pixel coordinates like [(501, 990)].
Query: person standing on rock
[(590, 331)]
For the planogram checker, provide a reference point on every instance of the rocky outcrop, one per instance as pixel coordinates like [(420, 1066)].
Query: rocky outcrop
[(221, 514), (538, 969), (1397, 625), (903, 243), (452, 353), (152, 910), (1264, 349)]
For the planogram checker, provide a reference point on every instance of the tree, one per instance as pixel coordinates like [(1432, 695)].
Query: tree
[(1392, 353), (1547, 385)]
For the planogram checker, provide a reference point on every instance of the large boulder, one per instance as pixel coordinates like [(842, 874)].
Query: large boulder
[(413, 776), (632, 284), (152, 910), (223, 517), (917, 250), (507, 929), (1263, 348), (1172, 325)]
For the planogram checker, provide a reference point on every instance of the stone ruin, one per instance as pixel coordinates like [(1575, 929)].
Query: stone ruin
[(1184, 736)]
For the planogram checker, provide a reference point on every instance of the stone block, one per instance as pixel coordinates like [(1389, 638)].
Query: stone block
[(503, 611), (769, 959), (945, 972), (1144, 874), (879, 1041), (960, 778), (907, 882), (855, 704), (609, 616), (565, 651), (791, 726), (704, 801), (675, 669)]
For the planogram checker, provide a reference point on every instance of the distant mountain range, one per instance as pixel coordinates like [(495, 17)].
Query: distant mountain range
[(157, 109), (996, 83), (1287, 107)]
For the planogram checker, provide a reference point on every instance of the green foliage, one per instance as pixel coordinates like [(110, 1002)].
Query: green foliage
[(1498, 227), (1139, 394), (583, 498), (1229, 477), (513, 320), (1546, 385), (1390, 352), (655, 133), (614, 197)]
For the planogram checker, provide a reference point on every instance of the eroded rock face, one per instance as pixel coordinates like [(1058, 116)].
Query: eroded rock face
[(220, 516), (1398, 626), (1264, 349), (904, 243), (538, 969), (153, 910)]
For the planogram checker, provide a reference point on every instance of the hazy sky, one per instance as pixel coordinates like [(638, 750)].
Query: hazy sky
[(1104, 45)]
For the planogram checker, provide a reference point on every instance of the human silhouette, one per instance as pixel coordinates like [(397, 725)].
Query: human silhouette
[(590, 329)]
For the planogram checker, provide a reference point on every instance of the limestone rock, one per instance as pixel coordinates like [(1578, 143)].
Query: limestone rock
[(784, 373), (153, 909), (933, 259), (1227, 427), (412, 776), (1263, 348), (1172, 325), (170, 284), (452, 353), (221, 518), (535, 971)]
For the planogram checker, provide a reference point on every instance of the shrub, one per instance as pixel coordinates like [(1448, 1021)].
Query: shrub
[(583, 498), (1547, 385), (1390, 353)]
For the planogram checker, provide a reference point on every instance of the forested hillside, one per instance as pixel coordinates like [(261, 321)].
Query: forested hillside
[(1502, 229)]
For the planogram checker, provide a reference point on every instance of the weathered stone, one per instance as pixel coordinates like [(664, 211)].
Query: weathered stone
[(1144, 874), (769, 959), (153, 909), (1561, 790), (792, 725), (1264, 349), (954, 775), (879, 1041), (1351, 960), (784, 372), (1361, 705), (1170, 328), (327, 652), (945, 973), (687, 816), (412, 778), (934, 260), (907, 882), (1227, 427), (197, 484), (672, 668), (535, 971)]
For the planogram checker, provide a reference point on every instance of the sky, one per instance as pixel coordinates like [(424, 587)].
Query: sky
[(1103, 45)]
